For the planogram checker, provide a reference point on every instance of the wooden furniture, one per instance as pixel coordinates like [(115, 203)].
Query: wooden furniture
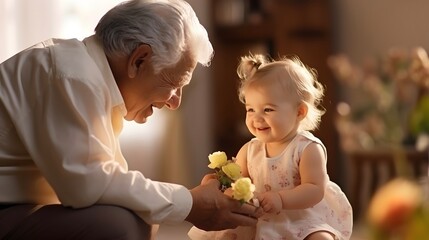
[(371, 169), (277, 28)]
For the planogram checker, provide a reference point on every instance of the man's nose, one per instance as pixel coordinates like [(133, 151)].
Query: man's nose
[(174, 102)]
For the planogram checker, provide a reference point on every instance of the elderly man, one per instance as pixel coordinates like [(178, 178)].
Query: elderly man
[(62, 102)]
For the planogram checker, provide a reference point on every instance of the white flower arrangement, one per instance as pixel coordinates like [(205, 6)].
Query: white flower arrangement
[(384, 101)]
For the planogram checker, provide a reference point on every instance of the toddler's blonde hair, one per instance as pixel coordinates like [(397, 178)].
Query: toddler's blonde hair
[(298, 79)]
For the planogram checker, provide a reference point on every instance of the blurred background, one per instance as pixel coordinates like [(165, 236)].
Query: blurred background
[(346, 41)]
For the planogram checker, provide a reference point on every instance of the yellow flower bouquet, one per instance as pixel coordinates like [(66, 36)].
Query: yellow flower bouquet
[(229, 175), (243, 189)]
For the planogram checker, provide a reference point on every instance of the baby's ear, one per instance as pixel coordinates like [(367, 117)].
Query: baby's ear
[(302, 111)]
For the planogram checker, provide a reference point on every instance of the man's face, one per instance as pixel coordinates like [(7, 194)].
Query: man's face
[(148, 90)]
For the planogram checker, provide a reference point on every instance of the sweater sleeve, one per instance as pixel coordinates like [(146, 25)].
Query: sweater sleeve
[(65, 123)]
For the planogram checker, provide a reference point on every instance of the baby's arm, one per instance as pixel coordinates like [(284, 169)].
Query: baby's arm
[(313, 174), (242, 160)]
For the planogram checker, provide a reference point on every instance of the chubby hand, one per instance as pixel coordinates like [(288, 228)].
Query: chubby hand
[(271, 202), (212, 210)]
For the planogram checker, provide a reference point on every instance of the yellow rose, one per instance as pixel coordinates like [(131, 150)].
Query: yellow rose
[(217, 159), (393, 205), (232, 170), (243, 189)]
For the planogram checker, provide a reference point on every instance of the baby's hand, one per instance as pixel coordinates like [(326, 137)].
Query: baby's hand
[(270, 202)]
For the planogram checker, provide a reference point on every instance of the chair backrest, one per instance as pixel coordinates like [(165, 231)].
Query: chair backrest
[(371, 169)]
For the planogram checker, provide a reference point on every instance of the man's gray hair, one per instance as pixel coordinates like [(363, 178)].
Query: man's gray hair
[(170, 27)]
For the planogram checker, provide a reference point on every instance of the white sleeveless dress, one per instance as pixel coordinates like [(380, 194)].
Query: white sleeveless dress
[(332, 214)]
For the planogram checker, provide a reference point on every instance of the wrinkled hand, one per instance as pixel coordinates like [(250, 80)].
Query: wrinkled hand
[(212, 210), (208, 177), (270, 202)]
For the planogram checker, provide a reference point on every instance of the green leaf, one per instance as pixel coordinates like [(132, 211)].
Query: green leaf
[(419, 121)]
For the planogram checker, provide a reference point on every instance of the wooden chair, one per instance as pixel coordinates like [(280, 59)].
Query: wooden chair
[(371, 169)]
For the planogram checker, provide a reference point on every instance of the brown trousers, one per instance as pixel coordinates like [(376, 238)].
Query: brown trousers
[(57, 222)]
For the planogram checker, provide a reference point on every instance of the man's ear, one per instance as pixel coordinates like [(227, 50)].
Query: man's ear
[(302, 110), (137, 59)]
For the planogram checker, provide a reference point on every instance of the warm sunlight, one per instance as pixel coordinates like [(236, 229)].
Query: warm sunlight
[(24, 23)]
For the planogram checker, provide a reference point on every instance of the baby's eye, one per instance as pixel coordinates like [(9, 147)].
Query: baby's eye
[(268, 109), (250, 110)]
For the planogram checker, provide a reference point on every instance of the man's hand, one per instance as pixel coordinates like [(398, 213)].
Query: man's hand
[(212, 210)]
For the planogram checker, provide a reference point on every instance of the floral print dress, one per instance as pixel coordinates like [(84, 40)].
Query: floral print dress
[(333, 214)]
